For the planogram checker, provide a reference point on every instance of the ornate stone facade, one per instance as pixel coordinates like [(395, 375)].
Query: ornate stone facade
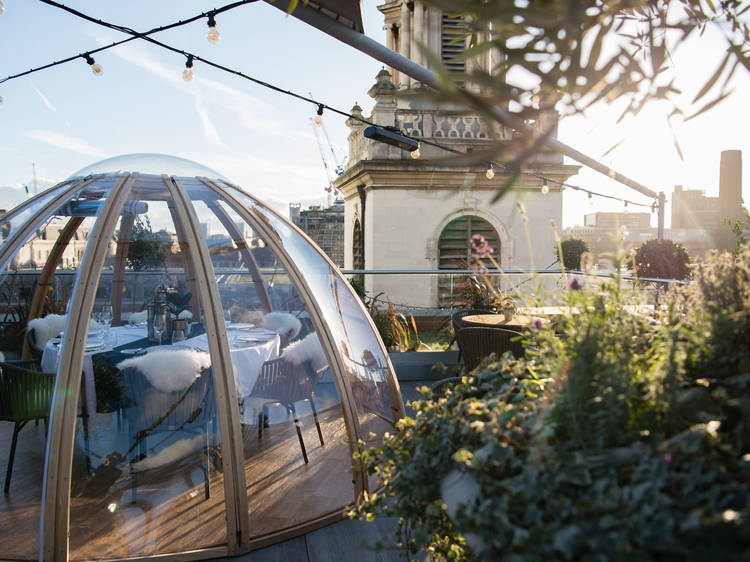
[(400, 205)]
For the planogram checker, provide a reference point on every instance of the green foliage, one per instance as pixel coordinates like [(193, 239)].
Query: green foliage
[(664, 259), (572, 250), (621, 436), (398, 332), (147, 249)]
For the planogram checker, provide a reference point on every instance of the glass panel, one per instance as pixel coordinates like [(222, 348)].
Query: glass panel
[(10, 224), (296, 457), (147, 476), (358, 344), (26, 381)]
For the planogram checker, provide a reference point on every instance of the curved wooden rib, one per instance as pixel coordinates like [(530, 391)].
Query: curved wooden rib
[(45, 279), (118, 275), (61, 435), (223, 372), (247, 256), (187, 261)]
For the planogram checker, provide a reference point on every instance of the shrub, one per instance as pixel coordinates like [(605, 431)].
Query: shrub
[(663, 259), (625, 438), (572, 250)]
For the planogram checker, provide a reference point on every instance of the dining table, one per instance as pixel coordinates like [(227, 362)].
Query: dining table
[(249, 348), (515, 322)]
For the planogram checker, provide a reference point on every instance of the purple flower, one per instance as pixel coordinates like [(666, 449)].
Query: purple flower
[(575, 284), (536, 323), (480, 245)]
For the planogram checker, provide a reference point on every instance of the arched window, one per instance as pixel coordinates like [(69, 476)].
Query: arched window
[(455, 252)]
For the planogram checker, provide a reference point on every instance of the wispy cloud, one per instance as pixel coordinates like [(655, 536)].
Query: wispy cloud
[(252, 112), (67, 142), (45, 100), (209, 129)]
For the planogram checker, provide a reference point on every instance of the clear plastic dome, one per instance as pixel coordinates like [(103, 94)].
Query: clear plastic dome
[(205, 372)]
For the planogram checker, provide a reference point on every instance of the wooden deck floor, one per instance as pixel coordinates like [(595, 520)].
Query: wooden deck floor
[(171, 514)]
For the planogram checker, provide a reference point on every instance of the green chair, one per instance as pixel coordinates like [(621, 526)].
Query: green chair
[(476, 343), (25, 395)]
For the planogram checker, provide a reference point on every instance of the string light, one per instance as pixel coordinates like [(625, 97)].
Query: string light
[(95, 67), (490, 172), (319, 117), (591, 199), (187, 74), (415, 153), (625, 209), (2, 8), (212, 35)]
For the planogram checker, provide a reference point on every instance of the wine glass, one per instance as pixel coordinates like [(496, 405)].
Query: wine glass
[(160, 322)]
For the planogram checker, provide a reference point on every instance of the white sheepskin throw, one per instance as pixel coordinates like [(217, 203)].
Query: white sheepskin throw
[(46, 328), (307, 349), (136, 317), (173, 453), (169, 370), (282, 323)]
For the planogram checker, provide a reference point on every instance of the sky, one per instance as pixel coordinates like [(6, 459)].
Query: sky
[(65, 118)]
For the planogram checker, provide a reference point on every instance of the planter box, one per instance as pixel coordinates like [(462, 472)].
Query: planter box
[(417, 365)]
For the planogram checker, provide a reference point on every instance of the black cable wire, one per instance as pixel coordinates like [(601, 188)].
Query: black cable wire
[(320, 106)]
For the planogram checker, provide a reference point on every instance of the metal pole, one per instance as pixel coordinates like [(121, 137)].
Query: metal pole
[(660, 215), (385, 55)]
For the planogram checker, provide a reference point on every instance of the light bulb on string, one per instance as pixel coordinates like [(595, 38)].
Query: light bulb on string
[(2, 8), (213, 34), (319, 117), (187, 74), (96, 68), (490, 172), (415, 152), (545, 188), (1, 100), (625, 209), (591, 200)]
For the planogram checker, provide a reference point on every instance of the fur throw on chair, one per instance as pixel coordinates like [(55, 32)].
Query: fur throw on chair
[(169, 370), (41, 330), (307, 349), (282, 323)]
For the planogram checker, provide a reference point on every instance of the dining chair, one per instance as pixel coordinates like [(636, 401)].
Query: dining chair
[(476, 343), (457, 323), (153, 412), (283, 382), (25, 395)]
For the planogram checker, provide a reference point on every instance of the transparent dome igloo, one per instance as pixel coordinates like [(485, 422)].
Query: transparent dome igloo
[(204, 370)]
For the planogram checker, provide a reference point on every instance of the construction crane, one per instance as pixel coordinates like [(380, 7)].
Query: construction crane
[(321, 137)]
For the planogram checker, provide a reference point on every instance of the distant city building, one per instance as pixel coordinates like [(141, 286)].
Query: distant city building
[(325, 225), (699, 222), (601, 232), (406, 213)]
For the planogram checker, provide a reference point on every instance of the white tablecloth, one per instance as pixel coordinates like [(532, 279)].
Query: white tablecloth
[(249, 348)]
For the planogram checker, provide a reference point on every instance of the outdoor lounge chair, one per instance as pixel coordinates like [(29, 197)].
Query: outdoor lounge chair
[(283, 382), (476, 343)]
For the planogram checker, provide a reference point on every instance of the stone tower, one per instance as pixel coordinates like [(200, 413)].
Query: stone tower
[(405, 213)]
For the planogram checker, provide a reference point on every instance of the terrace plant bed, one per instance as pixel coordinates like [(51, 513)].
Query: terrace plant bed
[(622, 437)]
